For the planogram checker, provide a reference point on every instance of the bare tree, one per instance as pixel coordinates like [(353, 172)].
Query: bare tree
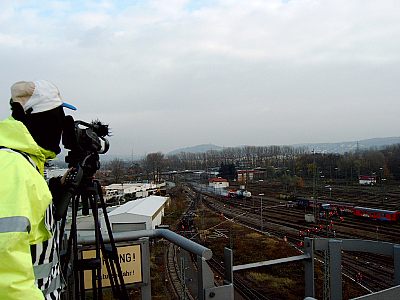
[(154, 164), (117, 169)]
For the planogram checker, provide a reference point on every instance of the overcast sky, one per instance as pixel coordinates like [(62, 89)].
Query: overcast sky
[(167, 74)]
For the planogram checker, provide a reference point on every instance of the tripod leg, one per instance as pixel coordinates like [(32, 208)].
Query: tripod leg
[(118, 275), (107, 255), (92, 195), (72, 243), (112, 273), (96, 275), (94, 284)]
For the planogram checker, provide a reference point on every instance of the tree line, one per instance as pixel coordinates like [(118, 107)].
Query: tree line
[(276, 161)]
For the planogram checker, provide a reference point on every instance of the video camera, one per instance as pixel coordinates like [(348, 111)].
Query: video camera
[(85, 142)]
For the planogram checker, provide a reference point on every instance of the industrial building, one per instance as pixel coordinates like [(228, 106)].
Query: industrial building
[(218, 182), (136, 190), (141, 214), (367, 180)]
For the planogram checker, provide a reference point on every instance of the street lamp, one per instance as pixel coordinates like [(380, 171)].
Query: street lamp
[(261, 215), (330, 190), (321, 181), (382, 183), (259, 190)]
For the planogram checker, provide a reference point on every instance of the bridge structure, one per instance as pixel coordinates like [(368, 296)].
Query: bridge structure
[(206, 288)]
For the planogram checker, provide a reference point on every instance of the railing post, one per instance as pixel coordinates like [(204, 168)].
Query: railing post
[(396, 262), (146, 288), (200, 284), (309, 268), (205, 278), (335, 269), (228, 259)]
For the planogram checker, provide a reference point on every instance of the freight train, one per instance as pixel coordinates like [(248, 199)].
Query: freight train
[(239, 194), (342, 208), (231, 193)]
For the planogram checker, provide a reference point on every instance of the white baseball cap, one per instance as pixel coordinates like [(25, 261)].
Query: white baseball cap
[(37, 96)]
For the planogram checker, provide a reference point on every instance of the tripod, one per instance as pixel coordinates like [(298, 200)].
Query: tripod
[(90, 193)]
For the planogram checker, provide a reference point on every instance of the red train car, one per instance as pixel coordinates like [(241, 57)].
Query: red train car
[(342, 208), (376, 214)]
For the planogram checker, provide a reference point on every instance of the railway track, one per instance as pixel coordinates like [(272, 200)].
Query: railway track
[(365, 229), (176, 282), (375, 276), (385, 196), (241, 286)]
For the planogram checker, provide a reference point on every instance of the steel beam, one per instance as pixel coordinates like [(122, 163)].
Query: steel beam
[(228, 260), (146, 287), (375, 247), (224, 292), (271, 262), (205, 278), (388, 294), (396, 262), (335, 268), (309, 288)]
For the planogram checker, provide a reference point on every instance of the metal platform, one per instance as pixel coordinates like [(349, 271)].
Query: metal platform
[(205, 277)]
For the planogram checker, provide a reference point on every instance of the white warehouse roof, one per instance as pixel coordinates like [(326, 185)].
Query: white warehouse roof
[(148, 206), (131, 186)]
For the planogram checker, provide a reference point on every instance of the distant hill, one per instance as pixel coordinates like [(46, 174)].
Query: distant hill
[(196, 149), (339, 147), (352, 146)]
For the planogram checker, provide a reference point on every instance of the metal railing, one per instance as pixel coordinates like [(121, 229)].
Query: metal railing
[(335, 248), (205, 277)]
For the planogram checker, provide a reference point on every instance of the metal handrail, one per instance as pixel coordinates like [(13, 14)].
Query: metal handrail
[(173, 237)]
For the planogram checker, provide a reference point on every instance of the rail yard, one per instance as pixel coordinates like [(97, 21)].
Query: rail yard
[(272, 214)]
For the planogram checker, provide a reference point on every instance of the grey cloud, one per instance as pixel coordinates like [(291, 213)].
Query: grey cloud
[(229, 73)]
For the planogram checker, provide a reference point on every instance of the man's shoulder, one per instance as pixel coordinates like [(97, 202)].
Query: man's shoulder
[(16, 160)]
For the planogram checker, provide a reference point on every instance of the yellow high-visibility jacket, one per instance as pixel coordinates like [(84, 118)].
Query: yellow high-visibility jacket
[(24, 197)]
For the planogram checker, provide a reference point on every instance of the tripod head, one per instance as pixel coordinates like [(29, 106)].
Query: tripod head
[(85, 142)]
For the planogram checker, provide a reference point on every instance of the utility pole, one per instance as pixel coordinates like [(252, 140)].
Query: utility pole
[(183, 279), (327, 274), (261, 204), (202, 216), (326, 292), (382, 186), (261, 211), (314, 187), (231, 237)]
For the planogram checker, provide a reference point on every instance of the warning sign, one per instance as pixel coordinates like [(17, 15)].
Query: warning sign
[(129, 259)]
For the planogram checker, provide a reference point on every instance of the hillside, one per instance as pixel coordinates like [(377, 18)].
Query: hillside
[(196, 149), (336, 147)]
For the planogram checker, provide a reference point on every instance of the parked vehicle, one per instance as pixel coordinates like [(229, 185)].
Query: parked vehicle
[(341, 208), (239, 194), (376, 214)]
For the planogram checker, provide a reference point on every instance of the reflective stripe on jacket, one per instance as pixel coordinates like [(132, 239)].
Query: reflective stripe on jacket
[(24, 197), (46, 264)]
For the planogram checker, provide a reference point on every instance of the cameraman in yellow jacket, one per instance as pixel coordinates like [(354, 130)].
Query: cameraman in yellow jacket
[(27, 139)]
